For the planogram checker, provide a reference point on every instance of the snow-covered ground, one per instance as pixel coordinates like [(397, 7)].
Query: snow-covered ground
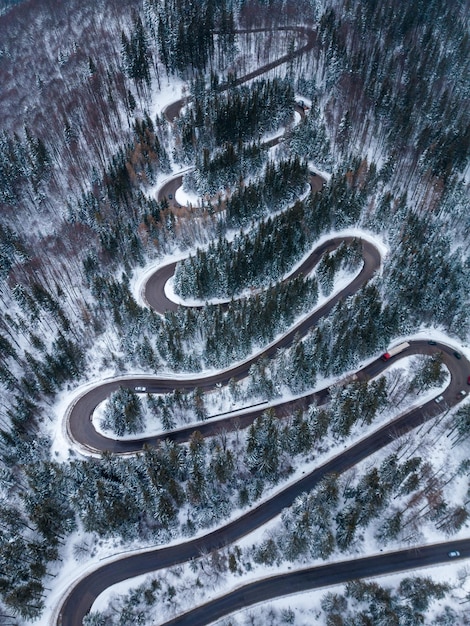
[(72, 568), (61, 446), (229, 582), (112, 549), (342, 279)]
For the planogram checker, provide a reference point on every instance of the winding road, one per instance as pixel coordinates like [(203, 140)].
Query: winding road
[(81, 598), (79, 424), (80, 430), (172, 111)]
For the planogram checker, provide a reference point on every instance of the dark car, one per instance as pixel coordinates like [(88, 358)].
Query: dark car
[(468, 380), (457, 355), (170, 196)]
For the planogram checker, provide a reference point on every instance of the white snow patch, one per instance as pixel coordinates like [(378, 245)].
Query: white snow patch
[(169, 93)]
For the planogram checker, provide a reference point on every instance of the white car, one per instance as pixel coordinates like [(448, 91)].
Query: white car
[(454, 553), (140, 388), (439, 399)]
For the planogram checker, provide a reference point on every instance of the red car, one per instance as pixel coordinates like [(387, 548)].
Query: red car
[(468, 380)]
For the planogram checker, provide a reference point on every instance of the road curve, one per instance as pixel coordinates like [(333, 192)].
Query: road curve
[(156, 298), (167, 191), (80, 427), (172, 111), (82, 596)]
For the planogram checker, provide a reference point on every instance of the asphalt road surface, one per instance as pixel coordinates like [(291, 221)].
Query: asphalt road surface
[(317, 577), (81, 598), (80, 429), (79, 424)]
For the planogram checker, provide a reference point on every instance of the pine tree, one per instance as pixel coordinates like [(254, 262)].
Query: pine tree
[(262, 450), (123, 413)]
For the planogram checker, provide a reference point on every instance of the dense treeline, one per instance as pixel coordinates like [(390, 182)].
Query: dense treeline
[(281, 183), (220, 131), (224, 167), (231, 336), (437, 276), (186, 32), (411, 601), (396, 95), (251, 260), (385, 86), (259, 258), (238, 114)]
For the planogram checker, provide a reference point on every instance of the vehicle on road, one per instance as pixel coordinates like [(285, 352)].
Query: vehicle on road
[(454, 553), (431, 342), (457, 355), (468, 380), (140, 388), (170, 196), (395, 350), (439, 399), (462, 393)]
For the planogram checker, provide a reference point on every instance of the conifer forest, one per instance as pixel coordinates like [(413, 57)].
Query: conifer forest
[(234, 327)]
